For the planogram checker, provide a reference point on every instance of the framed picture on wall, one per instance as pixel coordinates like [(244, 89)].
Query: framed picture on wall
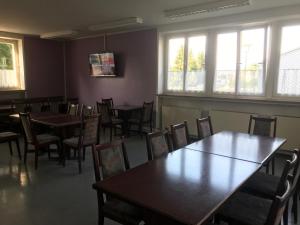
[(102, 65)]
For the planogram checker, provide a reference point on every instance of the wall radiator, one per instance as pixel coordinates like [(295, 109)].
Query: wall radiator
[(172, 115)]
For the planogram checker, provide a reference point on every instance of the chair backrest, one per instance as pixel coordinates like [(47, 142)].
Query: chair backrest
[(90, 129), (204, 127), (288, 169), (147, 112), (158, 144), (110, 159), (45, 107), (279, 205), (26, 124), (73, 109), (263, 125), (87, 110), (110, 103), (180, 135), (103, 110)]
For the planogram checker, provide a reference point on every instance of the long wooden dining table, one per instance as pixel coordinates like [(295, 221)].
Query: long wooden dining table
[(190, 184)]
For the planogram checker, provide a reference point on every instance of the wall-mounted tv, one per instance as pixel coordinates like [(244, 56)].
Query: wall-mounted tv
[(102, 65)]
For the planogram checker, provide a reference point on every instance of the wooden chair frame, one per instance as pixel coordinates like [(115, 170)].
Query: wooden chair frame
[(149, 136), (201, 120), (176, 127)]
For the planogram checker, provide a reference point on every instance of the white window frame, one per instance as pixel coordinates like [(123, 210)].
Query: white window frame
[(19, 64), (186, 36), (236, 94), (279, 27)]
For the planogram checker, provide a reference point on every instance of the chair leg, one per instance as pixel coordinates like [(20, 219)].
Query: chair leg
[(83, 153), (286, 215), (36, 157), (10, 148), (295, 207), (79, 160), (273, 166), (18, 149), (25, 153), (111, 133)]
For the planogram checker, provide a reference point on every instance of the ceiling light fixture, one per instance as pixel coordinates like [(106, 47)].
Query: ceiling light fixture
[(58, 34), (127, 22), (205, 7)]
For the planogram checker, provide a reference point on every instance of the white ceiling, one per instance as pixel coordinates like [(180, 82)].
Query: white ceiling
[(42, 16)]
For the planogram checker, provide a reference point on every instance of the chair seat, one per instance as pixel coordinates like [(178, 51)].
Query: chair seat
[(122, 211), (246, 209), (73, 142), (7, 136), (46, 138), (262, 184)]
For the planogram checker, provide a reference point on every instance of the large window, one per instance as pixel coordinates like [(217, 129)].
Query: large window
[(10, 65), (288, 82), (186, 64), (240, 65)]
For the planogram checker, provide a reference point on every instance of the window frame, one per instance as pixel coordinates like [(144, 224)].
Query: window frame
[(236, 93), (186, 36), (18, 62), (279, 28)]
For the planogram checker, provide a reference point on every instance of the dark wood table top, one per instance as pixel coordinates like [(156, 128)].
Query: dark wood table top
[(126, 107), (242, 146), (52, 119), (186, 185)]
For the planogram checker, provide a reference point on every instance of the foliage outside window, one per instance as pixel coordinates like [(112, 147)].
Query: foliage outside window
[(186, 64), (10, 65)]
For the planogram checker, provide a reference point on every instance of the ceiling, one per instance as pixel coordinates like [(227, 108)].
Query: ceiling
[(43, 16)]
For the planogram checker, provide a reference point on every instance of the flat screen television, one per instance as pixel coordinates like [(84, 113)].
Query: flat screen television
[(102, 65)]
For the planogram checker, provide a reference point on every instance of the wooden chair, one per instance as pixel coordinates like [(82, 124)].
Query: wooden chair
[(246, 209), (107, 121), (37, 141), (89, 133), (180, 135), (87, 110), (9, 137), (109, 160), (204, 127), (269, 186), (110, 103), (145, 118), (263, 126), (73, 109), (158, 144)]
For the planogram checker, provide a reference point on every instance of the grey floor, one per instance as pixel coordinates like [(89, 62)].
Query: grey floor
[(54, 195)]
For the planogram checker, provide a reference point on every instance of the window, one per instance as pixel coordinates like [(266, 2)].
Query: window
[(10, 64), (186, 64), (240, 66), (288, 82)]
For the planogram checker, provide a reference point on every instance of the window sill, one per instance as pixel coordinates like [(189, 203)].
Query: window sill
[(236, 99)]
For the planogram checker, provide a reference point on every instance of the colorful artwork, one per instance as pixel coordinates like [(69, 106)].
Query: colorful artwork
[(102, 64)]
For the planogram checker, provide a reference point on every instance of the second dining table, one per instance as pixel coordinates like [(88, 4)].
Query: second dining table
[(188, 185)]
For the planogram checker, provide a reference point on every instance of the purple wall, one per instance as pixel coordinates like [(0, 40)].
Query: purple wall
[(43, 61), (136, 59)]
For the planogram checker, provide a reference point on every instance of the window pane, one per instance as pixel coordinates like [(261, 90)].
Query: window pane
[(176, 63), (226, 63), (195, 76), (251, 77), (8, 74), (289, 71)]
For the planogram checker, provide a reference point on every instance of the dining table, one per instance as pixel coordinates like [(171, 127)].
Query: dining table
[(125, 112), (189, 185)]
